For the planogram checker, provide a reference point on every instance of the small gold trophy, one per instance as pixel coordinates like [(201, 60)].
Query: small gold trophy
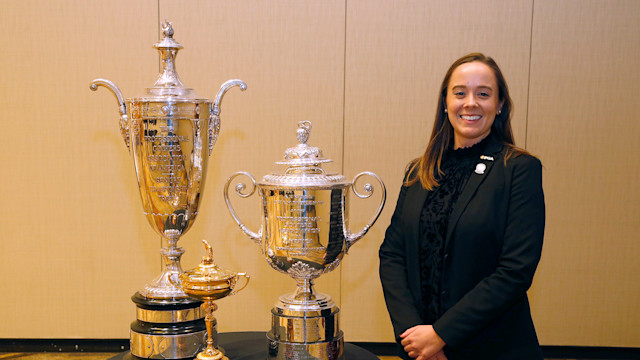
[(208, 283)]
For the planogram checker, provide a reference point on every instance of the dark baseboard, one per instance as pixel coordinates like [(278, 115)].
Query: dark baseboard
[(591, 352), (64, 345), (380, 349), (550, 352)]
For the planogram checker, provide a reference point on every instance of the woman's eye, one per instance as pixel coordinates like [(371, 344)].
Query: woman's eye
[(484, 94), (458, 93)]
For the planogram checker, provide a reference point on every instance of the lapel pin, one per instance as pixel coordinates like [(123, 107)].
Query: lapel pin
[(485, 157), (480, 168)]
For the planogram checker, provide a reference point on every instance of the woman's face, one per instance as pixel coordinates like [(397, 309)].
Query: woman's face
[(472, 102)]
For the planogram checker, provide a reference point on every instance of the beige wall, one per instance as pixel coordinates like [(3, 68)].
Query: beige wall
[(584, 124), (75, 245)]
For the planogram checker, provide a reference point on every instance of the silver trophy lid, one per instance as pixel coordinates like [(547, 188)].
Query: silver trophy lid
[(168, 85), (304, 165)]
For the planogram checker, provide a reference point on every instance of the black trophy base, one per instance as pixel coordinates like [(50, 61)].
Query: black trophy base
[(168, 329)]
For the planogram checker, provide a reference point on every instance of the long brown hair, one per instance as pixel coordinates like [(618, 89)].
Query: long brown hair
[(424, 168)]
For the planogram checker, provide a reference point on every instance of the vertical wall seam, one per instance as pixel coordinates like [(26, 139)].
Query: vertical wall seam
[(159, 36), (527, 117), (159, 31), (344, 84), (344, 107)]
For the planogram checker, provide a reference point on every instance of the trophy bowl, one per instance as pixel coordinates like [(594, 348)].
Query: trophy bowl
[(305, 233)]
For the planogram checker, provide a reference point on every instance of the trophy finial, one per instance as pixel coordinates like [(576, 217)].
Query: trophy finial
[(304, 131), (208, 257), (303, 156), (167, 28), (168, 80)]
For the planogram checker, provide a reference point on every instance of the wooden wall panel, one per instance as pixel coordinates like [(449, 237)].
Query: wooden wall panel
[(74, 243), (291, 55), (583, 123), (397, 55)]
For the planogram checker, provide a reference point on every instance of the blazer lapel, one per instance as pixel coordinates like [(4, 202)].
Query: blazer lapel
[(475, 179)]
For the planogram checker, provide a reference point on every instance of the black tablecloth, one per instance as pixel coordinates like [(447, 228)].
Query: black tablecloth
[(253, 346)]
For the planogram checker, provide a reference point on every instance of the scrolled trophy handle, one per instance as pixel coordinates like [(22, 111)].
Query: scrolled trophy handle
[(352, 238), (246, 282), (214, 124), (174, 279), (257, 237), (122, 106)]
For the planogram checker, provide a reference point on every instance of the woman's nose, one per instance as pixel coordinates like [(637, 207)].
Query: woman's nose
[(471, 101)]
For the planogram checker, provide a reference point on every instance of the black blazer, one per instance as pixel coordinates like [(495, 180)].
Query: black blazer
[(492, 249)]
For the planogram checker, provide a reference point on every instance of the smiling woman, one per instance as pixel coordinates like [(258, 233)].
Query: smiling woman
[(472, 103), (466, 235)]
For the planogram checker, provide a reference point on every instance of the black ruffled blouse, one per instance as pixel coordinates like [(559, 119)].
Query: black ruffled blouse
[(457, 166)]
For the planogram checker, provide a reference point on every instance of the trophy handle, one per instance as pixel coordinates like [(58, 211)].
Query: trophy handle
[(246, 282), (214, 124), (352, 238), (257, 237), (122, 106), (174, 279)]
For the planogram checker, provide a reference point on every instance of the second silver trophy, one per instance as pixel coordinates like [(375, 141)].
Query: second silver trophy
[(305, 233)]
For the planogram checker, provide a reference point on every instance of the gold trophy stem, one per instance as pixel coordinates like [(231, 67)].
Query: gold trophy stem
[(210, 353)]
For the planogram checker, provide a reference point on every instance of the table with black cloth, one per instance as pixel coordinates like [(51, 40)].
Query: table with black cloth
[(252, 345)]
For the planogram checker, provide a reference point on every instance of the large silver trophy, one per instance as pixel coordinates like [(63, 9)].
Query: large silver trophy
[(170, 131), (305, 233)]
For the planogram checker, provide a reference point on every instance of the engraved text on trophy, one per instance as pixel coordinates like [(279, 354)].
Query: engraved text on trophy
[(171, 163), (307, 227)]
